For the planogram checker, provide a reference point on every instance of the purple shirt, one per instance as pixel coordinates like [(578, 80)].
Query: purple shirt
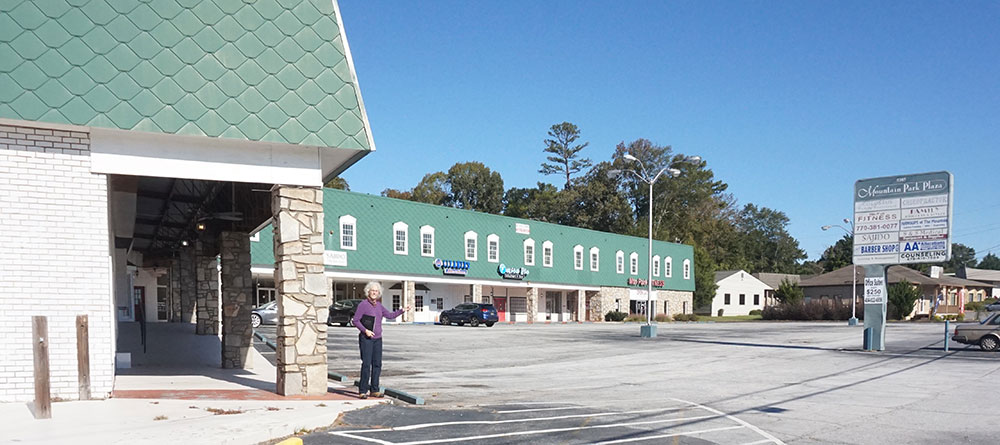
[(377, 311)]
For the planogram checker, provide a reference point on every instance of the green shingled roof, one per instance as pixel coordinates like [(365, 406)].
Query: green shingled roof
[(262, 70)]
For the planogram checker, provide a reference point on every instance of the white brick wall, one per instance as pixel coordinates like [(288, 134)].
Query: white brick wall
[(54, 259)]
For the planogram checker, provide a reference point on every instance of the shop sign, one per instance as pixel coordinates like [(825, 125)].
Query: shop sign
[(450, 267), (515, 273), (874, 290), (335, 258), (903, 219), (523, 229), (641, 282)]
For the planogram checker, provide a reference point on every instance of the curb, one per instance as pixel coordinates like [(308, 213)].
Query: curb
[(394, 393)]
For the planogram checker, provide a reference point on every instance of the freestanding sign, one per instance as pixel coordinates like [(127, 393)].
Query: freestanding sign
[(898, 220)]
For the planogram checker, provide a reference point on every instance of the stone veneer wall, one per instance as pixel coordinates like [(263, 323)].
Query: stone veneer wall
[(409, 291), (477, 293), (608, 297), (237, 288), (54, 259), (188, 285), (532, 301), (675, 301), (303, 301), (595, 305), (207, 276)]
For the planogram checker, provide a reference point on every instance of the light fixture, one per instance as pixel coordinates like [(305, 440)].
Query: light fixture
[(200, 226), (184, 243)]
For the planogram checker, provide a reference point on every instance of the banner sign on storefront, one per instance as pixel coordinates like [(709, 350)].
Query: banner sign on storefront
[(449, 267), (903, 219), (512, 273), (642, 282)]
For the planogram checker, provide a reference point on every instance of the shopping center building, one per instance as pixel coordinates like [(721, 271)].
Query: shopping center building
[(434, 257)]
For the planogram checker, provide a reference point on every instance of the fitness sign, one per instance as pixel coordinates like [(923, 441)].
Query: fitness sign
[(903, 219)]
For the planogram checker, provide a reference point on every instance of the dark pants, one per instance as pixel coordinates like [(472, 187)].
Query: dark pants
[(371, 363)]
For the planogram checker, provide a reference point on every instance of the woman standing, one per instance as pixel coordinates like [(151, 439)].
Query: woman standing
[(368, 320)]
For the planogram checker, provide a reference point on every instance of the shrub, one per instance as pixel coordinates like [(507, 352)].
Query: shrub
[(662, 318), (902, 297), (615, 316), (756, 312), (685, 317), (813, 310), (636, 317), (788, 292), (721, 311), (960, 317), (692, 317)]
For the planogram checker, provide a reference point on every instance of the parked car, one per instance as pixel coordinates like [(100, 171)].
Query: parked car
[(995, 306), (986, 333), (342, 312), (266, 314), (472, 313)]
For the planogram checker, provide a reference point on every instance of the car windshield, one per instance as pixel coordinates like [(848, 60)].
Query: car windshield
[(987, 319)]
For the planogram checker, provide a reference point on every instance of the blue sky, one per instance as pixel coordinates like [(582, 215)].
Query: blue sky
[(788, 102)]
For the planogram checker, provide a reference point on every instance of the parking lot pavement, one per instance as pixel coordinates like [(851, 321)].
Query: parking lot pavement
[(802, 383), (670, 421)]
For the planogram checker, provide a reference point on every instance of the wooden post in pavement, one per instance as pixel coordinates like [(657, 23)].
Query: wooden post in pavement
[(40, 345), (83, 356)]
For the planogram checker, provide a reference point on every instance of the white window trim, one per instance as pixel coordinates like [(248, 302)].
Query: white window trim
[(578, 255), (668, 267), (687, 269), (547, 259), (489, 239), (656, 265), (529, 243), (470, 235), (633, 263), (405, 228), (620, 262), (353, 222), (426, 230), (595, 265)]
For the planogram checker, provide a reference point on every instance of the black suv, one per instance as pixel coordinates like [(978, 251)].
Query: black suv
[(472, 313), (342, 312)]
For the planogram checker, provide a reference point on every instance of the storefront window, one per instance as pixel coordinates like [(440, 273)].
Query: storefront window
[(418, 304)]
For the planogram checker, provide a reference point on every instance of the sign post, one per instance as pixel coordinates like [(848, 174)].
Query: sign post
[(898, 220)]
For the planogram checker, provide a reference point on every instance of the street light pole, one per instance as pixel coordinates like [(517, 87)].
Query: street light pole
[(854, 273), (649, 330)]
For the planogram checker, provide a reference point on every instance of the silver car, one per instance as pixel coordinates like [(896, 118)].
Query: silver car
[(986, 333), (995, 306), (266, 314)]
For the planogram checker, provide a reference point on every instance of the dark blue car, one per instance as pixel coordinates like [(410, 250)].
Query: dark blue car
[(472, 313)]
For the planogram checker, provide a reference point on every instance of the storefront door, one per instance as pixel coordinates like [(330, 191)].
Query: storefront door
[(501, 304)]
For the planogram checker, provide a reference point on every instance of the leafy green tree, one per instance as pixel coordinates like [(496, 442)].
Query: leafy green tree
[(838, 255), (432, 189), (474, 186), (789, 292), (595, 202), (563, 151), (545, 203), (704, 278), (398, 194), (902, 297), (961, 255), (767, 245), (990, 261), (337, 183)]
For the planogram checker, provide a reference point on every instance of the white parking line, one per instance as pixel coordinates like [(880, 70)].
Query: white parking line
[(771, 438), (758, 442), (515, 433), (663, 436)]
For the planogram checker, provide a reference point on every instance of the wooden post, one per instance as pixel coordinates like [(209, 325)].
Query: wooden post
[(40, 344), (83, 356)]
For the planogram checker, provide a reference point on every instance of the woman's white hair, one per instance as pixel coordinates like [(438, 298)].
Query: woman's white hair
[(373, 285)]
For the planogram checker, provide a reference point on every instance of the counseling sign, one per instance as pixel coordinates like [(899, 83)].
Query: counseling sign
[(903, 219)]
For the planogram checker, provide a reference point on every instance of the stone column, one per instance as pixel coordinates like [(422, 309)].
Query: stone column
[(188, 285), (207, 276), (302, 291), (532, 304), (409, 292), (237, 289), (476, 290)]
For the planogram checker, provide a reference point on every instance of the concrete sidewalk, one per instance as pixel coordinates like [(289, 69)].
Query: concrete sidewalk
[(188, 401)]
